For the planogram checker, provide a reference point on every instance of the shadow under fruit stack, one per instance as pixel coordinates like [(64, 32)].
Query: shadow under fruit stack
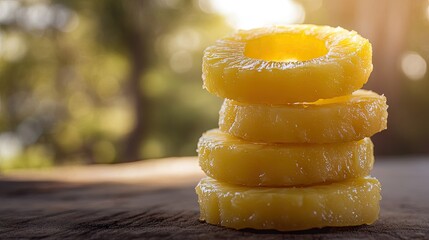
[(292, 151)]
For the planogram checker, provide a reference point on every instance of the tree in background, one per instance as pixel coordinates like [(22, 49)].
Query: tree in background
[(102, 81), (398, 31)]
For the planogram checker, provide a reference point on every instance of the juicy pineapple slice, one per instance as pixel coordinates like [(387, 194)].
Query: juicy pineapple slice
[(348, 203), (346, 118), (233, 160), (286, 64)]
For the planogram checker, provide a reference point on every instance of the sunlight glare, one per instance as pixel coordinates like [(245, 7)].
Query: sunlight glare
[(246, 14), (8, 10), (413, 65), (10, 145), (427, 11), (12, 47)]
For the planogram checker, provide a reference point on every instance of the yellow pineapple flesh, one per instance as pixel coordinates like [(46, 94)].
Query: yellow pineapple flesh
[(292, 151), (340, 119), (348, 203), (286, 64), (233, 160)]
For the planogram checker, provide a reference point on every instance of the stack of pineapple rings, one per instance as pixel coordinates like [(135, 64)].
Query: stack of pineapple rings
[(292, 151)]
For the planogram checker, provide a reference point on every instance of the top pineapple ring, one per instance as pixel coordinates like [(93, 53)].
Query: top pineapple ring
[(295, 63)]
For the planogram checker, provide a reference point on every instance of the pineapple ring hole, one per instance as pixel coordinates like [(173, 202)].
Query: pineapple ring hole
[(285, 47)]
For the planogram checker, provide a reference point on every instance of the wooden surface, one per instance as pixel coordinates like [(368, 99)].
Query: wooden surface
[(156, 199)]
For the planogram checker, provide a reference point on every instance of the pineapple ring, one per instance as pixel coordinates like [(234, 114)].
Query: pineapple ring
[(295, 63), (340, 119), (349, 203), (236, 161)]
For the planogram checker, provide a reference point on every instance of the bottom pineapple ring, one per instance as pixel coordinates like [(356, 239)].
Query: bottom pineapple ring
[(348, 203)]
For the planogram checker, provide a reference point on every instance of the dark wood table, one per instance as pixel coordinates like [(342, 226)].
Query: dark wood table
[(156, 199)]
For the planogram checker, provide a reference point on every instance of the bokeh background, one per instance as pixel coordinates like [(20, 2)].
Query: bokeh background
[(84, 82)]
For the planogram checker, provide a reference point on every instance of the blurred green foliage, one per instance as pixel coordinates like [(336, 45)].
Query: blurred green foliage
[(103, 81)]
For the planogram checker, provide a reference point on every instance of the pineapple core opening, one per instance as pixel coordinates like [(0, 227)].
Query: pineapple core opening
[(285, 48)]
